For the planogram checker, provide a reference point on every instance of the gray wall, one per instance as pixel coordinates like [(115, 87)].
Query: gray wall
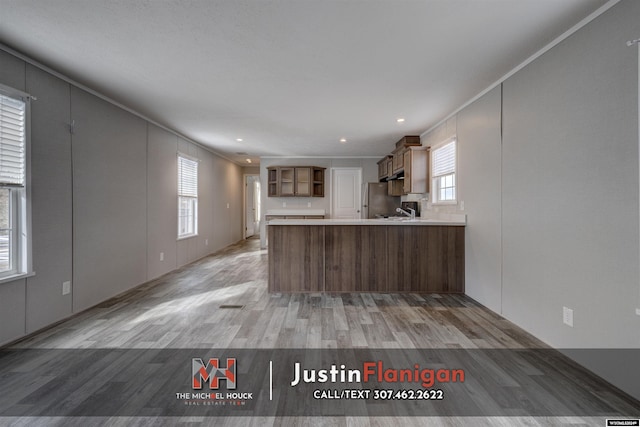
[(570, 190), (104, 202), (51, 200), (552, 203), (162, 188), (479, 145), (109, 206)]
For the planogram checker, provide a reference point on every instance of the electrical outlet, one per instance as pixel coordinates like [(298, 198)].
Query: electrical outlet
[(567, 316), (462, 205), (284, 204), (66, 288), (638, 311), (227, 205), (161, 256), (206, 242)]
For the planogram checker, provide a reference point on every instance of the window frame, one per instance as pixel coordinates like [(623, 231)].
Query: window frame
[(193, 200), (436, 180), (20, 201)]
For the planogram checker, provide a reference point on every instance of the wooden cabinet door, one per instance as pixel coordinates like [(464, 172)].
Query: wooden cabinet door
[(382, 169), (287, 182), (390, 166), (385, 168), (398, 161), (272, 181), (318, 182), (407, 172), (416, 170), (303, 182), (394, 187)]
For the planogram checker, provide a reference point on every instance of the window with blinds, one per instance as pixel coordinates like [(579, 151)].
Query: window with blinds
[(12, 141), (443, 172), (187, 196), (14, 229)]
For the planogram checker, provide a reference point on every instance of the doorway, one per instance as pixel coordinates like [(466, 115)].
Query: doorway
[(346, 184), (251, 206)]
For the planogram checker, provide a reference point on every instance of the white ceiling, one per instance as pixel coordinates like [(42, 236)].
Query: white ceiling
[(289, 77)]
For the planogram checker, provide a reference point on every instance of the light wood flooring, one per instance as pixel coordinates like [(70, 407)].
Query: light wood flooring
[(222, 302)]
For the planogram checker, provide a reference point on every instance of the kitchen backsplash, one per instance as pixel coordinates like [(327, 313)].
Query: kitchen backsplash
[(427, 207)]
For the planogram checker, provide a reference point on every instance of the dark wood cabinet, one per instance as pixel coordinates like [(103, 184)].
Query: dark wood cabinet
[(272, 182), (295, 181), (395, 187), (287, 182), (303, 182), (385, 168), (407, 169), (296, 259), (416, 170), (427, 259), (318, 182), (363, 258), (398, 160), (355, 259), (401, 147)]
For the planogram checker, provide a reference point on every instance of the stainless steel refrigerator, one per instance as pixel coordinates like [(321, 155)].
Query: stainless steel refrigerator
[(378, 202)]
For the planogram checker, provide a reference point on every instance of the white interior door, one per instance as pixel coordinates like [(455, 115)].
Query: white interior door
[(345, 190), (252, 205)]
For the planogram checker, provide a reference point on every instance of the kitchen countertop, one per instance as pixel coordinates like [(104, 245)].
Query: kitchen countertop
[(448, 220), (285, 212)]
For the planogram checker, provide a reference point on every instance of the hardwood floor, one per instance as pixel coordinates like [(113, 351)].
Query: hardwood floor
[(222, 302)]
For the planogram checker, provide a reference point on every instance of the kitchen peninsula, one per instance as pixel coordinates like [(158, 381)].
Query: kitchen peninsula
[(367, 255)]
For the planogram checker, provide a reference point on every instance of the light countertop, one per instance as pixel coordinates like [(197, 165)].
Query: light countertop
[(449, 220), (285, 212)]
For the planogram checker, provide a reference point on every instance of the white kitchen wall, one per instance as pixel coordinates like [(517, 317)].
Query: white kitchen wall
[(369, 174)]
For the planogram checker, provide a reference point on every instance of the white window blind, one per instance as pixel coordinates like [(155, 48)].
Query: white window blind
[(443, 172), (187, 177), (444, 159), (187, 197), (12, 141)]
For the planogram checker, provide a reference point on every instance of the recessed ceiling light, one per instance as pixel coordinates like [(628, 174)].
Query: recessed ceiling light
[(239, 139), (248, 160), (400, 120), (343, 141)]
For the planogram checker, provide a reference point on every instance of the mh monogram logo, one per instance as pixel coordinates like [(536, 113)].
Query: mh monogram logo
[(213, 372)]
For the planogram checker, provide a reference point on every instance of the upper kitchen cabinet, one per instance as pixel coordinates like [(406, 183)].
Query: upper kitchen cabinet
[(287, 181), (295, 181), (318, 182), (385, 168), (272, 182), (401, 147), (416, 170), (303, 182)]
